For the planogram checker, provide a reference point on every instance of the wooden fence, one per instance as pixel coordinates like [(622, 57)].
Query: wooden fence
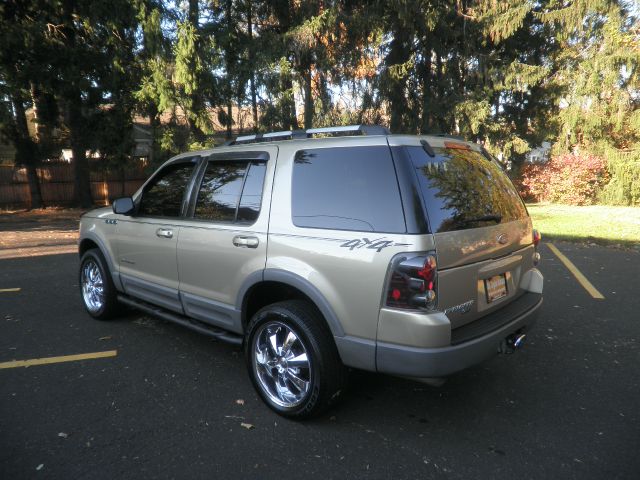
[(57, 184)]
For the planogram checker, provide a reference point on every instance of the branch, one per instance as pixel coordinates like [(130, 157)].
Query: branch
[(56, 29), (459, 11)]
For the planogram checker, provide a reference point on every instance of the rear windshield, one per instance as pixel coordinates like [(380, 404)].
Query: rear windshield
[(463, 189)]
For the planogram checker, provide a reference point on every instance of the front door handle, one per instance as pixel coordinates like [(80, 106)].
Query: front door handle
[(247, 242), (164, 232)]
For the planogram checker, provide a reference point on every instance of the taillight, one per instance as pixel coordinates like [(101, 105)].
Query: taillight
[(413, 283), (536, 237)]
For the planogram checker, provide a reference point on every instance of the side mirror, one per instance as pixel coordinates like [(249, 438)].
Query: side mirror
[(123, 206)]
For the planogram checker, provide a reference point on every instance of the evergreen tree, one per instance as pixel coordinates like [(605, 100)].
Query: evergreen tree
[(154, 93), (85, 50), (510, 74), (22, 68), (597, 74)]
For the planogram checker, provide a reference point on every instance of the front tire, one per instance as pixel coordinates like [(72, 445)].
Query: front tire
[(292, 359), (96, 286)]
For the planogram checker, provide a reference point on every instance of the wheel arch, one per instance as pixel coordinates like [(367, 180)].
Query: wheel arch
[(93, 241), (87, 244), (274, 285)]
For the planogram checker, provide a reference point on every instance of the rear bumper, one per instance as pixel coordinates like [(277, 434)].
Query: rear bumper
[(409, 361)]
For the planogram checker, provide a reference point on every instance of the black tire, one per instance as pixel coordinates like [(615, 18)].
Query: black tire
[(325, 378), (104, 306)]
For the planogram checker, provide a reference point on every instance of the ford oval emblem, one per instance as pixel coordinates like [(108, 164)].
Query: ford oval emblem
[(503, 239)]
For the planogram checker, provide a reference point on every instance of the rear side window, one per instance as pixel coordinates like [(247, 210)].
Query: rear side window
[(231, 191), (164, 195), (251, 198), (463, 189), (349, 188)]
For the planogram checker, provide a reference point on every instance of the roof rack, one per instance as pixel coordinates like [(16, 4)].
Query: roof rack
[(310, 133)]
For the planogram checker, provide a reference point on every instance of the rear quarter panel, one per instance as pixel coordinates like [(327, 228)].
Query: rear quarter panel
[(348, 267)]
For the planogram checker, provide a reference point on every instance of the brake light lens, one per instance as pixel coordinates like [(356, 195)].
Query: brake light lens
[(412, 283), (536, 237)]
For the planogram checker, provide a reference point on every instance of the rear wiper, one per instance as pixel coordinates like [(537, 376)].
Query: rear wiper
[(484, 218)]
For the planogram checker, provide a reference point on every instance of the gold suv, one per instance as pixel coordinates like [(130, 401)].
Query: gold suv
[(324, 249)]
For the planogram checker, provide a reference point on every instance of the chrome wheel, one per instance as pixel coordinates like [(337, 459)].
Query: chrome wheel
[(92, 286), (281, 364)]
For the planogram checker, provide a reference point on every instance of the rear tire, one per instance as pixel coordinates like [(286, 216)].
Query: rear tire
[(96, 286), (292, 359)]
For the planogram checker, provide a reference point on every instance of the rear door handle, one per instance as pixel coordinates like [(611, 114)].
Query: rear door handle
[(247, 242), (164, 232)]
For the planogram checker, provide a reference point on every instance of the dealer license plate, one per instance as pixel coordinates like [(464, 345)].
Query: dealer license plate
[(496, 287)]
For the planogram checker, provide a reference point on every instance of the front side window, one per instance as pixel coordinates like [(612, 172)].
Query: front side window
[(231, 191), (348, 188), (164, 195)]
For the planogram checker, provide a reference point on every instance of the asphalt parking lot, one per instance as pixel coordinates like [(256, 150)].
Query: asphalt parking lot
[(165, 402)]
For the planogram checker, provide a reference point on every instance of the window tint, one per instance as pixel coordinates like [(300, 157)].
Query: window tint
[(220, 190), (350, 188), (463, 189), (231, 191), (163, 196), (252, 193)]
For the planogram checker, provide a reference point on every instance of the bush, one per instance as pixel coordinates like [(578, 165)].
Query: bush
[(570, 178)]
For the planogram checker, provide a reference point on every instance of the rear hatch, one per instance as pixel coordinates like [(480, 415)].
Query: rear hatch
[(481, 228)]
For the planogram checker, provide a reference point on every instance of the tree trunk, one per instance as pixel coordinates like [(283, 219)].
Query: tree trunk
[(398, 55), (325, 97), (154, 125), (229, 57), (229, 119), (123, 179), (308, 99), (197, 102), (82, 193), (427, 114), (252, 76), (439, 120), (26, 153), (289, 106), (34, 186), (37, 125), (76, 122), (194, 13)]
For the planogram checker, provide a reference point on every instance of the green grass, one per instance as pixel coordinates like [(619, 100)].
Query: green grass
[(599, 224)]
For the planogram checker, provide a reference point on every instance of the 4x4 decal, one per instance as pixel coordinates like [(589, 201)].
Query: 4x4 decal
[(376, 244)]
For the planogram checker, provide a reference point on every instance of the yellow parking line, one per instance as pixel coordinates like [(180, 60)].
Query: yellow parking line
[(582, 280), (7, 290), (66, 358)]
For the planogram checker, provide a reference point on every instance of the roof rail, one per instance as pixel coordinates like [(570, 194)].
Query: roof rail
[(446, 135), (309, 133)]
